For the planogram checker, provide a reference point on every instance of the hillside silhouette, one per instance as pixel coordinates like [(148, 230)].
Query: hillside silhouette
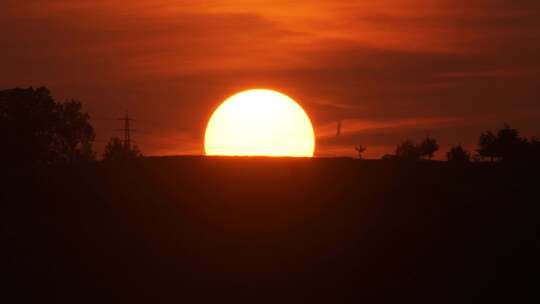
[(130, 229), (198, 229)]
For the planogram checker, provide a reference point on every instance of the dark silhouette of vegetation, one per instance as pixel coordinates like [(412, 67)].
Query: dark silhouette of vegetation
[(118, 150), (427, 147), (510, 145), (36, 128), (360, 150), (534, 148), (458, 155), (408, 150), (487, 145), (506, 145)]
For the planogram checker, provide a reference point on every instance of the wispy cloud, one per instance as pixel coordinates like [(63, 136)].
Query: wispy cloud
[(405, 65)]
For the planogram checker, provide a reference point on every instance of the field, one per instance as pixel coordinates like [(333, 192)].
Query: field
[(195, 229)]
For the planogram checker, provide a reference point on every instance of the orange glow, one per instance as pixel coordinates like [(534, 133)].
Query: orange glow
[(260, 123)]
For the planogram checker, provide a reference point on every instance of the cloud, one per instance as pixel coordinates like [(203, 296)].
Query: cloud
[(405, 64)]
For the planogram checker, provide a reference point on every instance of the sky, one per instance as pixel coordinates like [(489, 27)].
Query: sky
[(389, 70)]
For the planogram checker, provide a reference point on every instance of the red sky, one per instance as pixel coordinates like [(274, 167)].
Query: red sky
[(390, 70)]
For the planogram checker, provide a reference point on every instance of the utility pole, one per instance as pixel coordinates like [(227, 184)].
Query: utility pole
[(127, 131)]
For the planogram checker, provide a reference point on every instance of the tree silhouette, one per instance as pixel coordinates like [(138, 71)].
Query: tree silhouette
[(510, 146), (35, 128), (534, 148), (73, 136), (457, 154), (428, 146), (408, 150), (487, 142), (360, 150), (117, 150), (507, 145)]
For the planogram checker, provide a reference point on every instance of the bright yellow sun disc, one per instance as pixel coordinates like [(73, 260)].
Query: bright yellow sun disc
[(259, 123)]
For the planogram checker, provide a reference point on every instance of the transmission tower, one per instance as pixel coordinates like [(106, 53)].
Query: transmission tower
[(127, 131)]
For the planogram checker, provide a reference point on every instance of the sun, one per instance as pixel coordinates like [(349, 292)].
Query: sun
[(259, 123)]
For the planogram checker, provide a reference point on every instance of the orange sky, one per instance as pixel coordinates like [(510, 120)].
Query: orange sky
[(389, 69)]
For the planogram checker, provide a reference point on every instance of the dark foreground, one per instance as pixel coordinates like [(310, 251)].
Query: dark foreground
[(171, 230)]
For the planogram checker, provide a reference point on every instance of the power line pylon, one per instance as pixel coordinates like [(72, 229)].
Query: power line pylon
[(127, 131)]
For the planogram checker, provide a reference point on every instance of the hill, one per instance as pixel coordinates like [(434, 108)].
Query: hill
[(197, 229)]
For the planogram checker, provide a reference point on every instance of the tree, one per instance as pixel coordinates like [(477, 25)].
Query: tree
[(510, 146), (488, 145), (73, 135), (458, 155), (428, 146), (37, 129), (117, 150), (534, 148), (507, 145), (408, 150), (360, 150)]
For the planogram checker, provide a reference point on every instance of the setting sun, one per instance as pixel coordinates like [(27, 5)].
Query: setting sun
[(260, 123)]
